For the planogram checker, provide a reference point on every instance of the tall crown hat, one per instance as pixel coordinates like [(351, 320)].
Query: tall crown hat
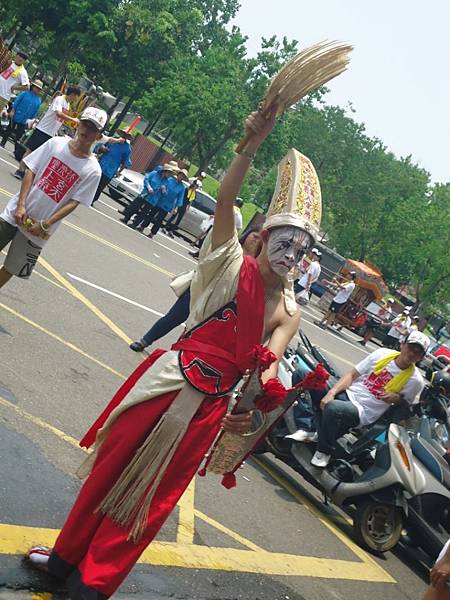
[(297, 200)]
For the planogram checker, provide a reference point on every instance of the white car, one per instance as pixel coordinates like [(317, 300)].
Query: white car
[(126, 186)]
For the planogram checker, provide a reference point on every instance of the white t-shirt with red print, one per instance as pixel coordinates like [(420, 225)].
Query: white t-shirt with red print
[(59, 177), (7, 79), (365, 392), (50, 122)]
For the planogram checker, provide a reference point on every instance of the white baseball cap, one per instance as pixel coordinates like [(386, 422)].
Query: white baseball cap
[(97, 116), (419, 338), (315, 251)]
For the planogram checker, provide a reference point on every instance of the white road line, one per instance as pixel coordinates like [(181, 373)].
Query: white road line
[(172, 240), (194, 262), (361, 349), (102, 289), (10, 164)]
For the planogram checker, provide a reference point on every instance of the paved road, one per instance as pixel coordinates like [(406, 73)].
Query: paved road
[(64, 352)]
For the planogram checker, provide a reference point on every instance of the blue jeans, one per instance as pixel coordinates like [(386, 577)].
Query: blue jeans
[(176, 315), (337, 418)]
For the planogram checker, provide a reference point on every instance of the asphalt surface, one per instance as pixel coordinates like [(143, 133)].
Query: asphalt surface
[(64, 352)]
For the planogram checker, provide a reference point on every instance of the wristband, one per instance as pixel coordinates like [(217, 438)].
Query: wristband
[(248, 155), (45, 228)]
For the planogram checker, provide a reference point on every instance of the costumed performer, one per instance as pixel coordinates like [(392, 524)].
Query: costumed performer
[(151, 439)]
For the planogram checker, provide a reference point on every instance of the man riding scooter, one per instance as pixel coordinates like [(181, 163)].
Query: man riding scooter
[(385, 377)]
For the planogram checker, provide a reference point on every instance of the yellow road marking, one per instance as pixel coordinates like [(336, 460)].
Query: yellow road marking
[(61, 340), (117, 248), (15, 539), (82, 298), (359, 552), (41, 423), (42, 596), (229, 532), (18, 539), (186, 529), (6, 193)]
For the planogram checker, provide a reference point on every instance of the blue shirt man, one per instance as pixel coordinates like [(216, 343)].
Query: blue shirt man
[(117, 156), (27, 104), (24, 108), (173, 194), (152, 184)]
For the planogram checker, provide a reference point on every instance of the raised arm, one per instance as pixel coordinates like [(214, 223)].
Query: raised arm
[(258, 128)]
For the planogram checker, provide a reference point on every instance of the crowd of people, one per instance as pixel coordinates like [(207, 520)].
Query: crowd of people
[(146, 452)]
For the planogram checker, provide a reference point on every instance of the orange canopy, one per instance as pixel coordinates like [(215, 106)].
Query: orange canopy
[(368, 276)]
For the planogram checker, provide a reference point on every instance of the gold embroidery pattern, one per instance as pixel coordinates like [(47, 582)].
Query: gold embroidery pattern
[(309, 196), (280, 203)]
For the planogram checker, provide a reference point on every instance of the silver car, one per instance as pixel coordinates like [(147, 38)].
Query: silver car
[(199, 215), (126, 186)]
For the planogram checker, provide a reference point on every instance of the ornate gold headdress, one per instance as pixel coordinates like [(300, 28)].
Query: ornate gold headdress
[(297, 200)]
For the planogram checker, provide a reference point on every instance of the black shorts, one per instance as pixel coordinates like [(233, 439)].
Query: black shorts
[(336, 307), (37, 139), (372, 323)]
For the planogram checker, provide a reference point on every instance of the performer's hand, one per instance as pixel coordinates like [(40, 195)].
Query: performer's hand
[(237, 423), (258, 127)]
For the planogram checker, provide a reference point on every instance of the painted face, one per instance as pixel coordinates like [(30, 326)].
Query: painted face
[(285, 248)]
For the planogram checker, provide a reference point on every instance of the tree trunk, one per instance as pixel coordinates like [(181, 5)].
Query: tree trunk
[(206, 157), (151, 125), (123, 113)]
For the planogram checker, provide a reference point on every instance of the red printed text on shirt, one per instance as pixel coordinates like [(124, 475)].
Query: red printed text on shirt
[(57, 179), (376, 383), (6, 74)]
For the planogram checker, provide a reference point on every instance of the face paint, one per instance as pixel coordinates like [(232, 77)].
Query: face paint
[(285, 248)]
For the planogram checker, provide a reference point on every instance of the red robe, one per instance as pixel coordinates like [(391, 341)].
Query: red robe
[(92, 552)]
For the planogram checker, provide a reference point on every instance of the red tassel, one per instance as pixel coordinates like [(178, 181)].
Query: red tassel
[(202, 472), (229, 481)]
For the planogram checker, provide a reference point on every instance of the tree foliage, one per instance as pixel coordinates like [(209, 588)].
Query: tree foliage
[(183, 63)]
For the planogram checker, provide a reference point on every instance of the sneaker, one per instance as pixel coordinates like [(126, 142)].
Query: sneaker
[(170, 234), (140, 229), (362, 342), (303, 436), (320, 459), (18, 174), (150, 236)]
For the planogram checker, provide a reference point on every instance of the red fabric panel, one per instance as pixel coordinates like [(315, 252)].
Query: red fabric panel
[(91, 541)]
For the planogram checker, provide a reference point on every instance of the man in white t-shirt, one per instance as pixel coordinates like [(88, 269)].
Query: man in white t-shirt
[(311, 275), (339, 301), (399, 329), (360, 397), (13, 79), (60, 175), (50, 123)]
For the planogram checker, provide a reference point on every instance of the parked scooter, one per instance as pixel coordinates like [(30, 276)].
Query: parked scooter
[(377, 491), (428, 523)]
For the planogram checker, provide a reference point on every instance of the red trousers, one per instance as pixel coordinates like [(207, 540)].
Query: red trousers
[(92, 552)]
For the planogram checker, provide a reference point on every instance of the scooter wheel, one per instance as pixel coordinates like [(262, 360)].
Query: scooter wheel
[(377, 527)]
